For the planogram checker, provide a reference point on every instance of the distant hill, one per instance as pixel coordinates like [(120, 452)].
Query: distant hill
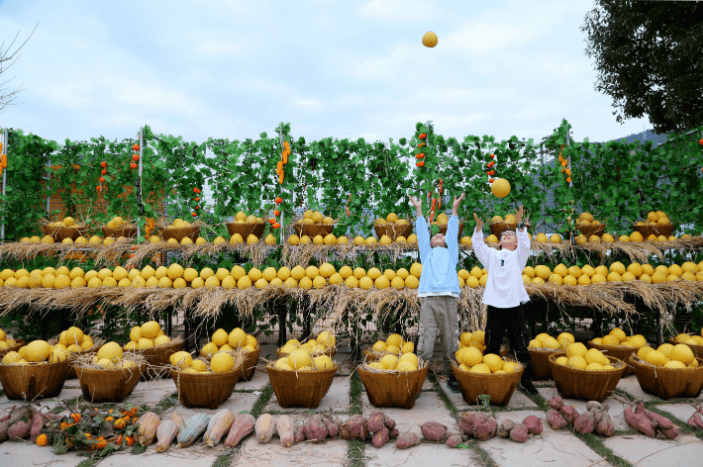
[(643, 137)]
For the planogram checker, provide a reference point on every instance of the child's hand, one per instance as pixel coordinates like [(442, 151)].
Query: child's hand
[(518, 214), (479, 223), (457, 201), (415, 202)]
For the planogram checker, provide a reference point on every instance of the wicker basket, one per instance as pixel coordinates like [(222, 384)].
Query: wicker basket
[(126, 231), (246, 229), (72, 357), (60, 233), (14, 348), (207, 390), (696, 349), (589, 385), (619, 352), (109, 385), (647, 230), (312, 230), (443, 230), (158, 356), (498, 227), (300, 388), (589, 230), (393, 231), (329, 352), (192, 232), (398, 389), (33, 381), (540, 363), (668, 382), (500, 387), (248, 366)]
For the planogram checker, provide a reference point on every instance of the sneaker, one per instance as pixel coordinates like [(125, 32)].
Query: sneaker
[(528, 387), (453, 385)]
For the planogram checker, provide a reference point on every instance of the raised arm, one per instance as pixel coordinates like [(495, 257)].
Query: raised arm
[(523, 240), (451, 238), (482, 252), (423, 235)]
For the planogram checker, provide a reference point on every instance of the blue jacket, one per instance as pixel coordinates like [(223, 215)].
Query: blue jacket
[(439, 264)]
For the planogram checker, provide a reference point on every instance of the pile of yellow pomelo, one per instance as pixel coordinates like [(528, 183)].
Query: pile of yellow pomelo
[(618, 338), (408, 361), (472, 360), (545, 341), (302, 360), (679, 356), (111, 356), (586, 275), (394, 344), (72, 340), (220, 363), (581, 358), (222, 341), (473, 339), (5, 341), (146, 336), (689, 340), (314, 217), (324, 342)]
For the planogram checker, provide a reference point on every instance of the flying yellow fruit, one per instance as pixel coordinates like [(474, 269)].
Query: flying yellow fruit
[(500, 187), (430, 39)]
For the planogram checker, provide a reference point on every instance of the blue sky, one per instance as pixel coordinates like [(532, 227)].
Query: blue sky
[(332, 68)]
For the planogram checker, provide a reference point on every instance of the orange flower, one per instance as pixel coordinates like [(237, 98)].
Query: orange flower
[(76, 417), (568, 179)]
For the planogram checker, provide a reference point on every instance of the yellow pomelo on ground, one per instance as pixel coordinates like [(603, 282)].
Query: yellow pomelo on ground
[(221, 362), (682, 353), (181, 359), (577, 361), (299, 358), (655, 357), (111, 351)]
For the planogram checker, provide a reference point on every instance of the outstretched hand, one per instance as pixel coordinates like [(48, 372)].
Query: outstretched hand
[(415, 202), (457, 201), (518, 214), (479, 223)]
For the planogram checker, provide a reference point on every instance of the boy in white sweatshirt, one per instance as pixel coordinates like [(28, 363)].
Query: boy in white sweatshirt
[(505, 292)]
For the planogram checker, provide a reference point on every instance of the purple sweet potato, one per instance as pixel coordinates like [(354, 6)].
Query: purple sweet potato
[(4, 427), (555, 419), (381, 437), (357, 427), (486, 430), (332, 428), (692, 422), (394, 433), (299, 434), (470, 419), (520, 433), (505, 427), (661, 422), (639, 409), (605, 425), (639, 422), (315, 429), (533, 424), (670, 433), (585, 423), (285, 427), (390, 423), (433, 431), (37, 425), (569, 413), (5, 417), (375, 421), (697, 419), (556, 403), (407, 440), (19, 430), (454, 441)]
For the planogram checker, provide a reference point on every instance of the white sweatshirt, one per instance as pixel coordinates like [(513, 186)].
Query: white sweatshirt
[(504, 287)]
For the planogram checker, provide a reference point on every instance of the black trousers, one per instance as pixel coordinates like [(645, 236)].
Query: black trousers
[(498, 321)]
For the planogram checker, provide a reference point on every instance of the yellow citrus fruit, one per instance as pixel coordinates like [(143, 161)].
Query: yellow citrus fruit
[(221, 362), (429, 39)]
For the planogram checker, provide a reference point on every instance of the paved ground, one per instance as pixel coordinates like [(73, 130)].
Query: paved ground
[(552, 448)]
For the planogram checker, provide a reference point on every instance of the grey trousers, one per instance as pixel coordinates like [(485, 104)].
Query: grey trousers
[(439, 313)]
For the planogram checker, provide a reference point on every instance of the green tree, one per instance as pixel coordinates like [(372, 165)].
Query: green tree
[(648, 59)]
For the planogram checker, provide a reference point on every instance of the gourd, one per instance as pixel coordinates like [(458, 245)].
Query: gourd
[(219, 426), (195, 427), (243, 425), (147, 425), (166, 433)]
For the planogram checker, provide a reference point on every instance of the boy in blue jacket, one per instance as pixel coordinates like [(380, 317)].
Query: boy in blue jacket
[(439, 290)]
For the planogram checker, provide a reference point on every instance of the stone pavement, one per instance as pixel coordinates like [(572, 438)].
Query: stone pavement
[(436, 403)]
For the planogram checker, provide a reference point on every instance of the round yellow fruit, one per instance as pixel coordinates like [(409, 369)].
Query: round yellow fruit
[(655, 357), (37, 351), (237, 338), (209, 349), (577, 361), (221, 362), (682, 353), (323, 362), (299, 358), (150, 329), (181, 359), (111, 350)]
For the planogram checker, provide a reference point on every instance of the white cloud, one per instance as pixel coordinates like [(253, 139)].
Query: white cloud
[(405, 11)]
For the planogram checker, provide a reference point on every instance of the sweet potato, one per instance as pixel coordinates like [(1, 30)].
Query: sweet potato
[(37, 425), (4, 427), (556, 403), (505, 427), (533, 424), (585, 423), (315, 429), (19, 430), (147, 426), (299, 434), (5, 417), (344, 432), (375, 421), (243, 426), (670, 433), (486, 430), (593, 405), (381, 437), (697, 420), (639, 409), (264, 427), (555, 419), (407, 440), (605, 425), (639, 422), (661, 422), (357, 427), (454, 441), (470, 419), (23, 413), (285, 428), (390, 423), (394, 433), (520, 433), (569, 413), (165, 434), (433, 431), (332, 428)]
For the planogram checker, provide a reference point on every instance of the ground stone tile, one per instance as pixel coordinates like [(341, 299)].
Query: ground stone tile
[(631, 386), (258, 381), (327, 453), (172, 457), (615, 408), (151, 392), (237, 403), (551, 448), (418, 456), (681, 411), (24, 453), (518, 401), (427, 407), (643, 451), (336, 399)]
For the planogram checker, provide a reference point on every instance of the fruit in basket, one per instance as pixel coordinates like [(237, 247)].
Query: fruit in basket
[(221, 362), (689, 340), (299, 358), (110, 351), (178, 224), (37, 351), (181, 359)]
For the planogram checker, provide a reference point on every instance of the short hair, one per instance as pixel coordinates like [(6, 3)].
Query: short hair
[(506, 230)]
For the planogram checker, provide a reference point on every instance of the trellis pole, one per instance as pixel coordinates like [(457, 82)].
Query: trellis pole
[(571, 183), (139, 182), (280, 140), (3, 139)]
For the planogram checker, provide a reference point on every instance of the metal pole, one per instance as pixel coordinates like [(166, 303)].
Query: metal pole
[(139, 188), (4, 183), (280, 138)]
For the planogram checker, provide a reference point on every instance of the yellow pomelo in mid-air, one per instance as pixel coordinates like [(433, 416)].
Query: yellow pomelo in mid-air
[(430, 39)]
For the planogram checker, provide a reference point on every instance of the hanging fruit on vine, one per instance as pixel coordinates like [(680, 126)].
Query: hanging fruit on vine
[(276, 225), (133, 165), (135, 157), (423, 136), (420, 164), (103, 164), (279, 200), (135, 147)]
